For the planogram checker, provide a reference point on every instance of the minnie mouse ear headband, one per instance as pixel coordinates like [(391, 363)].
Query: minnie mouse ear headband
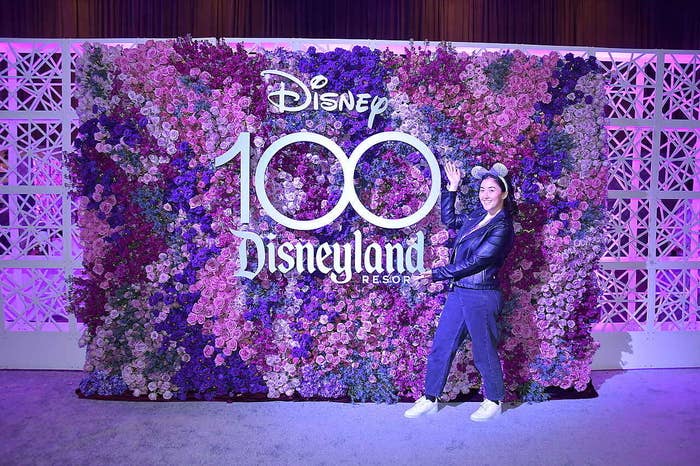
[(498, 169)]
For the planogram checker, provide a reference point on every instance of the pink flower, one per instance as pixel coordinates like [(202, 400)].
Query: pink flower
[(516, 276), (245, 353)]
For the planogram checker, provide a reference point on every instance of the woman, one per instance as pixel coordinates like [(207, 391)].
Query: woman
[(480, 247)]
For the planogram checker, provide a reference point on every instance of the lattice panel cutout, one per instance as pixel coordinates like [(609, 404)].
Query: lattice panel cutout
[(4, 225), (681, 95), (38, 210), (630, 151), (6, 138), (75, 53), (31, 226), (76, 246), (4, 78), (624, 305), (74, 126), (35, 152), (676, 300), (30, 243), (632, 83), (628, 235), (678, 228), (43, 142), (679, 160), (33, 299), (33, 77)]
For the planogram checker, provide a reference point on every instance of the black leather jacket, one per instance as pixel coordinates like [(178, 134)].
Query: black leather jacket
[(476, 256)]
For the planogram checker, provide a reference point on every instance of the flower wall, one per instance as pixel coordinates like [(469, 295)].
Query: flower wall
[(166, 314)]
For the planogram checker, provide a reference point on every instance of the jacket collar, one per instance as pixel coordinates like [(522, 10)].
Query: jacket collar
[(467, 229), (477, 218)]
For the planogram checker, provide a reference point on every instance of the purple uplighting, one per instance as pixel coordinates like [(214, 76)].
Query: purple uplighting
[(352, 232)]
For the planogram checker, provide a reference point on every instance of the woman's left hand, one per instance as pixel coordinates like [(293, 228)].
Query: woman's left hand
[(419, 278)]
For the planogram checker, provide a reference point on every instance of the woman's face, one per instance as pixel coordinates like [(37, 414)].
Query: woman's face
[(491, 195)]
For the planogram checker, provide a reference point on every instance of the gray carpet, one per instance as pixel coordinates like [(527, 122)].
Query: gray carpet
[(642, 417)]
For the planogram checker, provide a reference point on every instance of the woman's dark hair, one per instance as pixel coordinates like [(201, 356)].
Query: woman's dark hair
[(509, 204)]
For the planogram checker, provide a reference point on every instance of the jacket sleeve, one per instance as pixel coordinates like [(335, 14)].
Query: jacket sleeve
[(492, 249), (447, 210)]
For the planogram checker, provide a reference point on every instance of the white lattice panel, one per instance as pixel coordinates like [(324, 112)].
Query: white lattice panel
[(679, 160), (36, 257), (624, 306), (628, 236), (649, 311), (681, 95), (650, 272), (676, 301), (630, 158), (677, 229), (632, 88), (34, 299), (33, 76)]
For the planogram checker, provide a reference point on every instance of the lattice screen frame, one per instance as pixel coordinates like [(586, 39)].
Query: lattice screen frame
[(650, 273)]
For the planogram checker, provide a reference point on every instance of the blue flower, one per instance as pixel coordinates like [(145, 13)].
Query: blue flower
[(369, 381), (100, 383)]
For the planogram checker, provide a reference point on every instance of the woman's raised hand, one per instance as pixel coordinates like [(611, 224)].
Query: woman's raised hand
[(454, 175)]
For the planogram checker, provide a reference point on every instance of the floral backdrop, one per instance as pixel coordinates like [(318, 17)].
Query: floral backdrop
[(165, 315)]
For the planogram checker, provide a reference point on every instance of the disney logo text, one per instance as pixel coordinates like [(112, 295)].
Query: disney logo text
[(329, 101)]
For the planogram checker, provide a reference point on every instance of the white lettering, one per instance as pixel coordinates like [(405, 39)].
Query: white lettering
[(322, 253), (287, 100), (347, 100), (348, 164), (416, 265), (282, 94), (377, 107), (306, 257), (362, 103), (373, 258), (392, 249), (243, 253), (329, 101), (288, 259), (346, 267)]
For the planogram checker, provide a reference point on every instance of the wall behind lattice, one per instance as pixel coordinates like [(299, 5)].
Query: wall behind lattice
[(650, 273)]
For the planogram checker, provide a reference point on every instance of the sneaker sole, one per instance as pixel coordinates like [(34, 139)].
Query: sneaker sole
[(427, 413), (485, 419)]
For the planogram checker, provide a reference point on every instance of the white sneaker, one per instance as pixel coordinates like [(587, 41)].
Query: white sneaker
[(487, 410), (420, 407)]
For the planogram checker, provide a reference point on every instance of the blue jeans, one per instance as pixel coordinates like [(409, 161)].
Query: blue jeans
[(474, 312)]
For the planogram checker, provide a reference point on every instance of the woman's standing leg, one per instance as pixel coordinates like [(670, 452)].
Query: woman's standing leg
[(450, 332), (481, 308)]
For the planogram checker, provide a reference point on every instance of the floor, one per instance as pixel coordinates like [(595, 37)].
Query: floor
[(642, 417)]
